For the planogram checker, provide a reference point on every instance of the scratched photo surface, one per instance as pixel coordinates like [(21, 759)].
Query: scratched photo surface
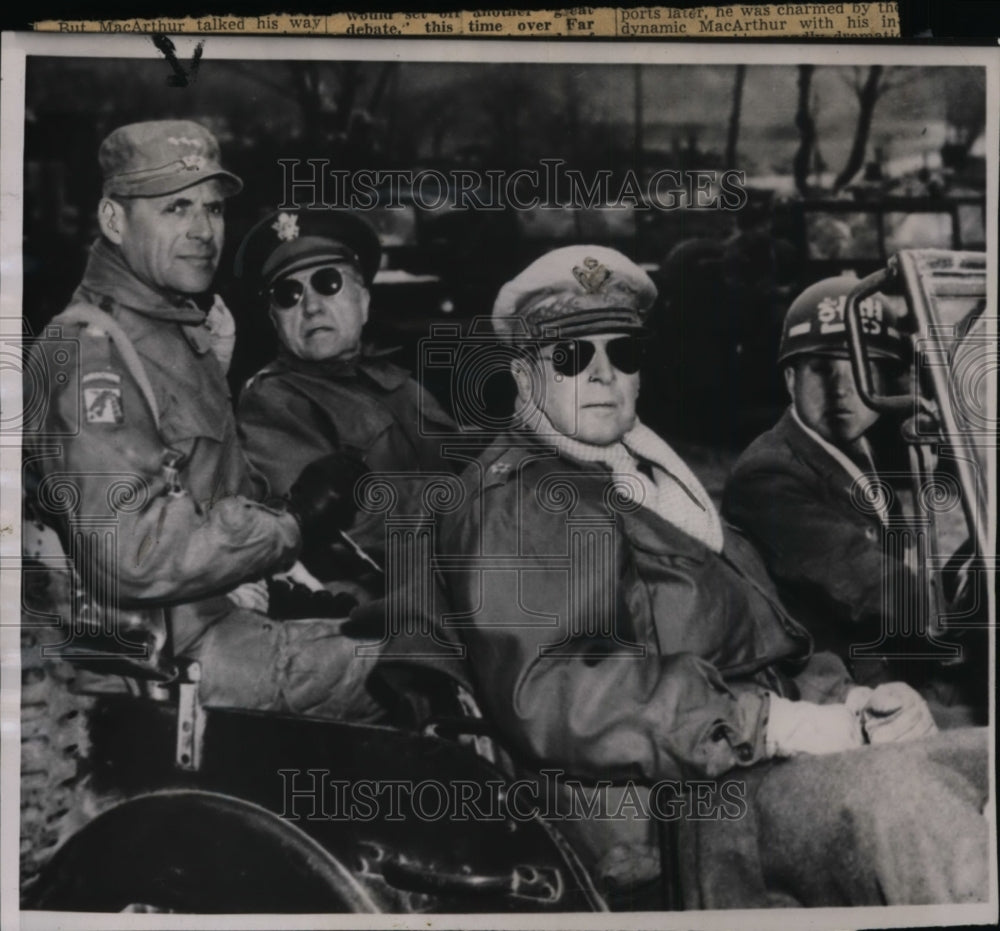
[(465, 485)]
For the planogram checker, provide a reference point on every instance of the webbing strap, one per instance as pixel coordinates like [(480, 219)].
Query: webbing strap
[(91, 316)]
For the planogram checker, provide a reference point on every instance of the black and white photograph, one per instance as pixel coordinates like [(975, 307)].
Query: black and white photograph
[(480, 484)]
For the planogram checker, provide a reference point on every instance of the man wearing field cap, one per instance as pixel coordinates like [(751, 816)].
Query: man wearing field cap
[(619, 632), (146, 436), (799, 491), (328, 390)]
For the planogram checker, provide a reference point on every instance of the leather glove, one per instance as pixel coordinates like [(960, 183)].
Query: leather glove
[(895, 712), (288, 600), (795, 727), (322, 498)]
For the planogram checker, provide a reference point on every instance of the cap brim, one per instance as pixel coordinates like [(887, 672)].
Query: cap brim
[(591, 323), (171, 184), (307, 252), (346, 257)]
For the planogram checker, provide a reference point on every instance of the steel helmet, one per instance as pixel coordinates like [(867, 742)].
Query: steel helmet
[(815, 323)]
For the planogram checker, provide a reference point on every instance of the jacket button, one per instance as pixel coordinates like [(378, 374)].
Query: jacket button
[(871, 533), (744, 752)]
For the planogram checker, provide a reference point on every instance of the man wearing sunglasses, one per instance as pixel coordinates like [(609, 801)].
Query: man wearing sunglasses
[(618, 632), (328, 391), (139, 421)]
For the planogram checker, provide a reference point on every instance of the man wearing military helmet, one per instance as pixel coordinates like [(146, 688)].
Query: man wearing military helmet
[(143, 429), (329, 391), (817, 366), (795, 490), (619, 631)]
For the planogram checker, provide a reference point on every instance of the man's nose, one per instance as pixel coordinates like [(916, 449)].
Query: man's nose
[(842, 380), (311, 302), (601, 369), (201, 226)]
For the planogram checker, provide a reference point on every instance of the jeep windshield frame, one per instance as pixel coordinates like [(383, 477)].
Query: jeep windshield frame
[(945, 296)]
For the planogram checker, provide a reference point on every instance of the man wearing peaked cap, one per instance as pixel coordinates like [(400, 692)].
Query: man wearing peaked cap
[(150, 374), (584, 302), (619, 631), (791, 490), (287, 241), (329, 391)]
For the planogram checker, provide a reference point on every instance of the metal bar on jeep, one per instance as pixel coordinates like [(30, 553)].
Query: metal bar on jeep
[(881, 280), (939, 376)]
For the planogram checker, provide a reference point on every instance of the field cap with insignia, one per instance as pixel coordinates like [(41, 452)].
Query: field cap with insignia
[(815, 324), (288, 241), (162, 157), (574, 291)]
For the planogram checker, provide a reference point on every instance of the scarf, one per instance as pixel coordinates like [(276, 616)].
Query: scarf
[(108, 278), (655, 476)]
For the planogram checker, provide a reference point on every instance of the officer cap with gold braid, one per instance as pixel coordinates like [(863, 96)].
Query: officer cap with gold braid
[(574, 291)]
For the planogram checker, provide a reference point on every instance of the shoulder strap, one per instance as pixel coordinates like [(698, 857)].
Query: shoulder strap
[(88, 315)]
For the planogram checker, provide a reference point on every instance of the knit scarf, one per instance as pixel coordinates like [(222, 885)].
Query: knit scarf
[(654, 475)]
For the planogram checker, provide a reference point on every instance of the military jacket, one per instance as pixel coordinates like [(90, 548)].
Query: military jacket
[(604, 640), (823, 549), (135, 438), (295, 411)]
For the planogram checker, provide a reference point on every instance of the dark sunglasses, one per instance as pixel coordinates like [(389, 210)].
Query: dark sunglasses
[(326, 282), (570, 357)]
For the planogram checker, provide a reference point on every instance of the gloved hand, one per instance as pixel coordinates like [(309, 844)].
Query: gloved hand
[(795, 727), (250, 595), (289, 600), (222, 332), (895, 712), (322, 498)]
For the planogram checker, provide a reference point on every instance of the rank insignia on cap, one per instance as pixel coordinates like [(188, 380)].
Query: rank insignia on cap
[(592, 276), (103, 405), (193, 162), (286, 226)]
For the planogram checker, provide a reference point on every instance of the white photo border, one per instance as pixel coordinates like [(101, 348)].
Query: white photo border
[(18, 46)]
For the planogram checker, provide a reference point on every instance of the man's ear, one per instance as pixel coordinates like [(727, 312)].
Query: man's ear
[(790, 380), (111, 218)]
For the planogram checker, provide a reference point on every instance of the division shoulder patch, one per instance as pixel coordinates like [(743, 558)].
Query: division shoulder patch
[(102, 398)]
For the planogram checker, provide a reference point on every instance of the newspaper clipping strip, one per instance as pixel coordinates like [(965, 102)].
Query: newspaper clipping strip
[(816, 20)]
